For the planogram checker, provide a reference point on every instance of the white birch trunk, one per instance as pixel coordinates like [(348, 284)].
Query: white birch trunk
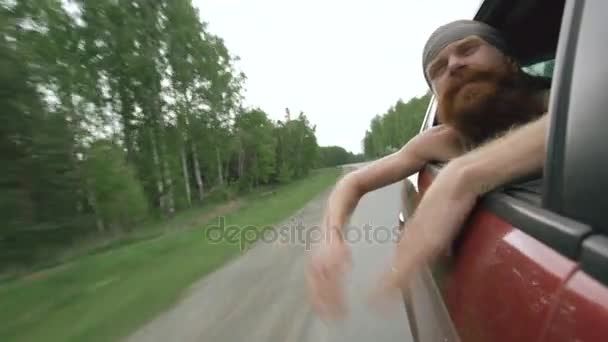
[(158, 172), (186, 175), (197, 172), (219, 166)]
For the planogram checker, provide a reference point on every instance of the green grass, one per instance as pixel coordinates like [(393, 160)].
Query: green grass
[(150, 228), (106, 296)]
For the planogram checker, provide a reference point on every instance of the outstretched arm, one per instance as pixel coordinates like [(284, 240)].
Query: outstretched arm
[(332, 256), (453, 194), (436, 144)]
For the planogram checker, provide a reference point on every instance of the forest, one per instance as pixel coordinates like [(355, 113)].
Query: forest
[(391, 130), (116, 111)]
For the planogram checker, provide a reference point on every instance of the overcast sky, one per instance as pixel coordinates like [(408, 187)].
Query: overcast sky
[(340, 61)]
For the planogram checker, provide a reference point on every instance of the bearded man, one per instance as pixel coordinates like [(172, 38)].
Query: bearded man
[(491, 131)]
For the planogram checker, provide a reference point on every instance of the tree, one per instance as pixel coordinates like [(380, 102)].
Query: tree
[(335, 155), (255, 147), (297, 148), (113, 191), (114, 110), (391, 130)]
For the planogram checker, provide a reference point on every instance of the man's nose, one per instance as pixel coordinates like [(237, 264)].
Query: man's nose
[(455, 64)]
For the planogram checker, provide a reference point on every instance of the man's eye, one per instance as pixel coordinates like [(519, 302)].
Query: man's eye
[(438, 70), (470, 49)]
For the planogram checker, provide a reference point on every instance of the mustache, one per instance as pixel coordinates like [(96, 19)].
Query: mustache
[(464, 76), (500, 100)]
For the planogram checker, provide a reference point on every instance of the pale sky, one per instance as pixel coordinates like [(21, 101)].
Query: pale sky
[(340, 61)]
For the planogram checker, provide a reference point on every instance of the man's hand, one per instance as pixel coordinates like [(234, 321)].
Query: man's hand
[(330, 262), (438, 218), (452, 196), (332, 259)]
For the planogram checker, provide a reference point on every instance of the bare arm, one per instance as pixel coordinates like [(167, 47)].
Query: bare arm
[(515, 155), (450, 199), (439, 143), (332, 258), (349, 190)]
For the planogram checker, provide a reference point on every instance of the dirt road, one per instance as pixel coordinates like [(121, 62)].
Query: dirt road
[(260, 296)]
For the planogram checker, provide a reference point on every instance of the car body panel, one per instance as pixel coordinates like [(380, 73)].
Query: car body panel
[(582, 312), (500, 279), (533, 267), (428, 317)]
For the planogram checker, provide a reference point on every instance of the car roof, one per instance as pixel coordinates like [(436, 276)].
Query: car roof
[(531, 27)]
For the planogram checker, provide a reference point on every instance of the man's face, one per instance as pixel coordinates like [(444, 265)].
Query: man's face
[(472, 54), (470, 78)]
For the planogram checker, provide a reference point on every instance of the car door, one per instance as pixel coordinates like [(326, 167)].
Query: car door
[(505, 275), (577, 189)]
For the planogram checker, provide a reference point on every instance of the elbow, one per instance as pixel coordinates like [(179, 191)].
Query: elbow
[(352, 183)]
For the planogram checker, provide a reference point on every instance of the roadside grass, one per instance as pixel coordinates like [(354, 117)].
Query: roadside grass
[(106, 295)]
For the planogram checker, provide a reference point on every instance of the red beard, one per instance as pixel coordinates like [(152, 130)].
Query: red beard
[(481, 104)]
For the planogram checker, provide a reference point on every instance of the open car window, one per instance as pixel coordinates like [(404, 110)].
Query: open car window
[(542, 69), (530, 189)]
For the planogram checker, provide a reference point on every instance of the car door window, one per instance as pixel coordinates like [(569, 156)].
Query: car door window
[(542, 69), (577, 186), (528, 190)]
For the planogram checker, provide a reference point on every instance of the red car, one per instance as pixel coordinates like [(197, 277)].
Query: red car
[(531, 263)]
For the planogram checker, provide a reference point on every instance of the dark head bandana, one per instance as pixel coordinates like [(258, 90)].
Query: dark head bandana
[(457, 30)]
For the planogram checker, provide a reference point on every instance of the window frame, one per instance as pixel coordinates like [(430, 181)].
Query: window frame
[(541, 220), (578, 172)]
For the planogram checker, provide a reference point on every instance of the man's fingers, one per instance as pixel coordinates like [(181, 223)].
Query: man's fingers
[(318, 294), (324, 278), (347, 260), (317, 283), (325, 290)]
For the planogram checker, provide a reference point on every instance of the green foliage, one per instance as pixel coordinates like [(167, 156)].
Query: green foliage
[(115, 110), (336, 155), (297, 148), (221, 194), (391, 130), (112, 293), (118, 198), (255, 147), (285, 174)]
